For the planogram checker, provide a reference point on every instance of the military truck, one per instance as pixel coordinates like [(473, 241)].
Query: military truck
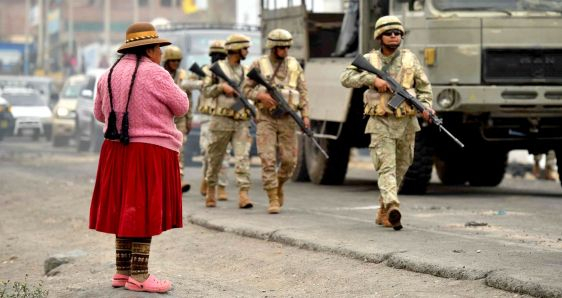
[(495, 67)]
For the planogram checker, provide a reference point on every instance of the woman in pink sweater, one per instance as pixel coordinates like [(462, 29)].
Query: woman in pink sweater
[(138, 190)]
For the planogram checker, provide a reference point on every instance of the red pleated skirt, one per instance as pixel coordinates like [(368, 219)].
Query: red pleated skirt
[(137, 191)]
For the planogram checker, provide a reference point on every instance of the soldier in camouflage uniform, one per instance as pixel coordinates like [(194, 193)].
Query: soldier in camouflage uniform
[(392, 132), (227, 125), (276, 135), (205, 107), (171, 61)]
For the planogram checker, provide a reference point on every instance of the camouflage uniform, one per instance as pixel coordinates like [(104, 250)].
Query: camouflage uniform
[(227, 127), (392, 132), (181, 122), (550, 166), (278, 133), (205, 108)]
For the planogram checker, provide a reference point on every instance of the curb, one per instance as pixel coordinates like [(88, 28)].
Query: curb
[(496, 279)]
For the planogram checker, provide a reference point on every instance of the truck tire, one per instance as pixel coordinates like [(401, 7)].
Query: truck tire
[(487, 167), (330, 171), (301, 172), (417, 178)]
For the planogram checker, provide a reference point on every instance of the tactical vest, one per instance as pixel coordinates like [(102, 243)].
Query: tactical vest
[(376, 104), (180, 76), (288, 86), (206, 105), (224, 103)]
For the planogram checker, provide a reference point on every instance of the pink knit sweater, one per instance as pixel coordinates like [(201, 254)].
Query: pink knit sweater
[(155, 101)]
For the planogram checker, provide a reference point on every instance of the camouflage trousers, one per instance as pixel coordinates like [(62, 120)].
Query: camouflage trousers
[(226, 131), (276, 138), (391, 157), (204, 139), (550, 159)]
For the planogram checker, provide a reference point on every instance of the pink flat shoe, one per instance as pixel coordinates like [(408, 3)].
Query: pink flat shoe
[(151, 285), (119, 280)]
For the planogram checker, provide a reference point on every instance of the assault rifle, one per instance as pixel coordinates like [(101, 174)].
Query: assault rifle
[(194, 68), (242, 102), (400, 94), (283, 107)]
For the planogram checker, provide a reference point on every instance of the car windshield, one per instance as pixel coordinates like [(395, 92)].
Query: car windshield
[(499, 5), (73, 88), (24, 99)]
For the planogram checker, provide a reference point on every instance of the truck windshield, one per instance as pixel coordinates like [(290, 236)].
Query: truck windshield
[(499, 5)]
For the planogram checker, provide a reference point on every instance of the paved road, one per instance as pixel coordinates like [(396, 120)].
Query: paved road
[(508, 236), (44, 211)]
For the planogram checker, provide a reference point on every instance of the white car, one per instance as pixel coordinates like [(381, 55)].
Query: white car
[(32, 116)]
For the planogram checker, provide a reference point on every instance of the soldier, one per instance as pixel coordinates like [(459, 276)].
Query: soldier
[(171, 61), (227, 125), (550, 168), (392, 132), (206, 106), (277, 134)]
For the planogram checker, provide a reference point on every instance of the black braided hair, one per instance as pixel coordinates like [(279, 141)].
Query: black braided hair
[(125, 122), (111, 133)]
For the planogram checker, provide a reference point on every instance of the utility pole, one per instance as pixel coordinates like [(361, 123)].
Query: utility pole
[(27, 40), (41, 36), (107, 28), (70, 27), (135, 11)]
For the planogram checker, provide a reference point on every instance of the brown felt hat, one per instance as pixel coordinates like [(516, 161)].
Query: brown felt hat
[(141, 34)]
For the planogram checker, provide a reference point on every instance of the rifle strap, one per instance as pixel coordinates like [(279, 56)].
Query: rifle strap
[(275, 73)]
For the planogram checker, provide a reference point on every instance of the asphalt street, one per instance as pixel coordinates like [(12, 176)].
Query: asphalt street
[(460, 238), (510, 236)]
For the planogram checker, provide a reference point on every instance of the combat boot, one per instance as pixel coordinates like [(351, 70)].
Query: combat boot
[(381, 214), (536, 171), (393, 217), (274, 206), (245, 202), (280, 193), (203, 187), (221, 193), (185, 187), (550, 174), (210, 200)]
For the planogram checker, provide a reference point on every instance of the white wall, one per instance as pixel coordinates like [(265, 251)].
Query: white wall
[(247, 12)]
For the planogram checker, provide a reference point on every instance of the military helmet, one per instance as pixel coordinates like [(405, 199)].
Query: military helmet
[(279, 38), (236, 42), (172, 53), (387, 23), (217, 47)]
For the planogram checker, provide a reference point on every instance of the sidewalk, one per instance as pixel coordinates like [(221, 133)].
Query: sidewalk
[(502, 264)]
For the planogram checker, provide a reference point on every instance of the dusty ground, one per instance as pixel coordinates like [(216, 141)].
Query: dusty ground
[(44, 201)]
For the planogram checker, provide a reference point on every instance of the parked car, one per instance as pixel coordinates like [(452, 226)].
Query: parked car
[(64, 112), (6, 119), (31, 113), (89, 132), (44, 85)]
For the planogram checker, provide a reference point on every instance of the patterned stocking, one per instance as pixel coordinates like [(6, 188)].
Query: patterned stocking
[(123, 255), (139, 261)]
